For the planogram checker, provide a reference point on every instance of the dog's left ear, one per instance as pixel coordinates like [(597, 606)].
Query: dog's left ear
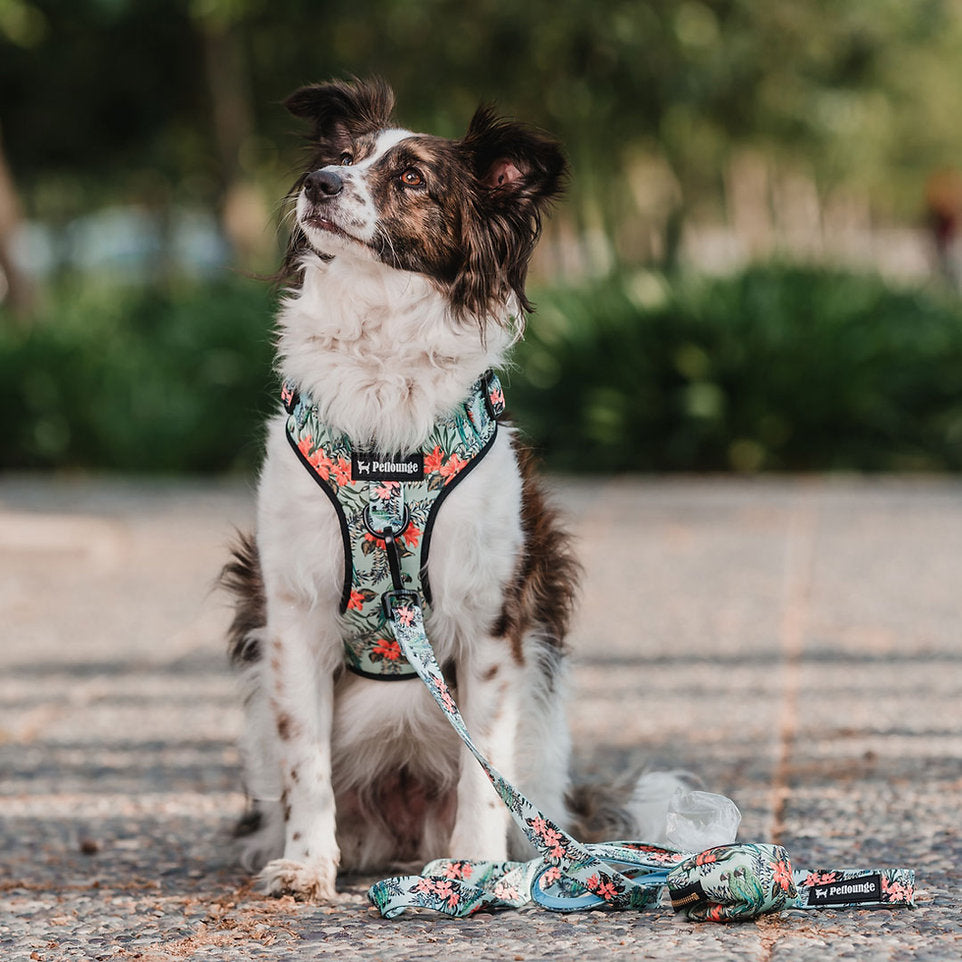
[(515, 164), (518, 171)]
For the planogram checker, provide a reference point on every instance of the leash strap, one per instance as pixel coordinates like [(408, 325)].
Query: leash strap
[(726, 883), (576, 863)]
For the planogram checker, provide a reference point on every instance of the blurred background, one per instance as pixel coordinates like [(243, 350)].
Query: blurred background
[(757, 266)]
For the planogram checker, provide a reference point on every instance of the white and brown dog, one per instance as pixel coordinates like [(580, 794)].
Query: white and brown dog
[(406, 275)]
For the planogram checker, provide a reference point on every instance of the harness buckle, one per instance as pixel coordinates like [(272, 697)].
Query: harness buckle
[(399, 596)]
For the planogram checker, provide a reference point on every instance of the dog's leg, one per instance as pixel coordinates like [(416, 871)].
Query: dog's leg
[(489, 683), (302, 699), (544, 743)]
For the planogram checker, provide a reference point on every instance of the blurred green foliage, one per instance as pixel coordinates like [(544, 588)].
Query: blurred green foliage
[(775, 368), (125, 101), (139, 379)]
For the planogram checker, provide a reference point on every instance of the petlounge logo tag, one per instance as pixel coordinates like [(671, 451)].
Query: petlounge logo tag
[(380, 467), (868, 888)]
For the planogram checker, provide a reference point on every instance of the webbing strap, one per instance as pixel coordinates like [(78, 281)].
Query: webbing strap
[(725, 883), (575, 862)]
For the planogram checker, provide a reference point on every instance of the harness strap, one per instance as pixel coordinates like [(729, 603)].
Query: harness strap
[(725, 883)]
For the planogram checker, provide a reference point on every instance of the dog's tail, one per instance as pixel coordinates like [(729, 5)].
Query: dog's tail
[(658, 808), (241, 576)]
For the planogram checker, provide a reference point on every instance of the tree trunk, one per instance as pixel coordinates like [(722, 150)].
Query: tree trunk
[(16, 290), (243, 214)]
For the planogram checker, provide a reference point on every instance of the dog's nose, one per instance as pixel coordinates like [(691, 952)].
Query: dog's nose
[(321, 184)]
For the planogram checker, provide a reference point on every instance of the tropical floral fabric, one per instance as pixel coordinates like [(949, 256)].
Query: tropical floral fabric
[(367, 507), (726, 883), (733, 882)]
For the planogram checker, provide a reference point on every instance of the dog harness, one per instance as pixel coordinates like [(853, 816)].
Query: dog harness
[(386, 506)]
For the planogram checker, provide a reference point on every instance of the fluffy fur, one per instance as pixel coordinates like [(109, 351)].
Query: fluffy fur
[(406, 274)]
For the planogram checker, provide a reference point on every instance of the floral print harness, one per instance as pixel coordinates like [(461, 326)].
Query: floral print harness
[(386, 506)]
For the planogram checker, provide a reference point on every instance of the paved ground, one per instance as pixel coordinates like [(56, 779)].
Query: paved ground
[(795, 642)]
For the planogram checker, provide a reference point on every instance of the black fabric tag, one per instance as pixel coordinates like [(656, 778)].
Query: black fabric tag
[(387, 467), (687, 896), (868, 888)]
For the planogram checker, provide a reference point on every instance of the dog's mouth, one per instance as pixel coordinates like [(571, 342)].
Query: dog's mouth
[(319, 222)]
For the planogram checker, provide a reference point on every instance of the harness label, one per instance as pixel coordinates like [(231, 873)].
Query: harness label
[(387, 467), (868, 888)]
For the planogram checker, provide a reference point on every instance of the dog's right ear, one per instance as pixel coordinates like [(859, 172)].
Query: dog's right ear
[(342, 111)]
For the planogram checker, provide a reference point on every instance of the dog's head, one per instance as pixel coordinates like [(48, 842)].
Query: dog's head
[(466, 213)]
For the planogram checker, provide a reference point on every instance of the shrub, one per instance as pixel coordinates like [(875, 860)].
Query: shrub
[(139, 379), (776, 368)]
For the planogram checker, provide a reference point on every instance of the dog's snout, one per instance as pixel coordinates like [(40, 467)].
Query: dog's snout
[(321, 184)]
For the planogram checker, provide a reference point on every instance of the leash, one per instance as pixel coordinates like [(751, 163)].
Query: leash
[(725, 883)]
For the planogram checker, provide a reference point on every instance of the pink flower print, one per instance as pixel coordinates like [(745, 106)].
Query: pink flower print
[(539, 826), (782, 876), (321, 463), (342, 472), (550, 877), (424, 885), (445, 695), (453, 467), (444, 889), (502, 890), (552, 839), (386, 490), (896, 891), (411, 536), (387, 648), (458, 870), (356, 602), (405, 615), (606, 890), (497, 397), (433, 461)]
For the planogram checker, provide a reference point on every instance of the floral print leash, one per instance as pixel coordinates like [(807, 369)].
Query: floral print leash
[(725, 883)]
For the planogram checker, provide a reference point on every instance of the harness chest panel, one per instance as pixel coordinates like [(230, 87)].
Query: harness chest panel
[(386, 505)]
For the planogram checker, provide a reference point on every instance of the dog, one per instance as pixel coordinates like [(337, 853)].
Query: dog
[(405, 277)]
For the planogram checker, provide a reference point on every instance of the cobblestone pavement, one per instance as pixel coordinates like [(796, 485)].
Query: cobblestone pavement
[(796, 643)]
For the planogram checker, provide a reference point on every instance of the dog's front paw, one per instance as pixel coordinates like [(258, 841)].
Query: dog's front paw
[(313, 882)]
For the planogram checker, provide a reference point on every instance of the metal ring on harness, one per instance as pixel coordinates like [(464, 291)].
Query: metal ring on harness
[(379, 533)]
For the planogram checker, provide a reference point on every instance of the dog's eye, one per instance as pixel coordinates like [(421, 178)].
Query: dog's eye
[(412, 177), (346, 159)]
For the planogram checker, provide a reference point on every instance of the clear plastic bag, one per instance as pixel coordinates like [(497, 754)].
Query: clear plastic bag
[(671, 814)]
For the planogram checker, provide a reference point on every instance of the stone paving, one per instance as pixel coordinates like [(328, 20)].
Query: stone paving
[(794, 642)]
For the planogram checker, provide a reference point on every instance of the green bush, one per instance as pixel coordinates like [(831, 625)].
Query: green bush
[(135, 379), (777, 368)]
